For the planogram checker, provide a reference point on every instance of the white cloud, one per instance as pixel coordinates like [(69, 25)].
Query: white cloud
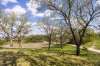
[(32, 7), (40, 14), (18, 10), (4, 2), (47, 12), (33, 23), (98, 2)]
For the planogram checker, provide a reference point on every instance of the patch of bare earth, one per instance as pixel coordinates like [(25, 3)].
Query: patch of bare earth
[(37, 45)]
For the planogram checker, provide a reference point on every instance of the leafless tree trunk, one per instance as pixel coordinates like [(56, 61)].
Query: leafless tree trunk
[(85, 12), (22, 29), (6, 25), (48, 28)]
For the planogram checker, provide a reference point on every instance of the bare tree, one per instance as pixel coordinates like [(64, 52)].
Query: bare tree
[(82, 11), (86, 13), (23, 27), (60, 31), (48, 27), (14, 27), (7, 26)]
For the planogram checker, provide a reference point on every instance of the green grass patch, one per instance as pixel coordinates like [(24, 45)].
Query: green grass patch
[(88, 44), (55, 56), (97, 44)]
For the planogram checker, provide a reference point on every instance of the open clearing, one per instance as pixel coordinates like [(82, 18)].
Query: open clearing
[(38, 45)]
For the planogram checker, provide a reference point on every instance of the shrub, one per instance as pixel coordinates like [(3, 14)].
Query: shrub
[(2, 42), (36, 38)]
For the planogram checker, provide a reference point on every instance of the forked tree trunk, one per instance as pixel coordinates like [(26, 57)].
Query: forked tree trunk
[(61, 42), (78, 50), (11, 43), (49, 40), (49, 44), (20, 43)]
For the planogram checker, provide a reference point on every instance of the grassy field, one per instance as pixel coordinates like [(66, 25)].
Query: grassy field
[(44, 57), (97, 44)]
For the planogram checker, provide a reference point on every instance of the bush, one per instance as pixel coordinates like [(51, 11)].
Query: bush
[(2, 42), (36, 38)]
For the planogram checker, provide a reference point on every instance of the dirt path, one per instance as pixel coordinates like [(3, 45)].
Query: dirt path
[(28, 45), (40, 45), (94, 50)]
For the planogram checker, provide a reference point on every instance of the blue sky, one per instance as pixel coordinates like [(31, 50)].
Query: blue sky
[(33, 13)]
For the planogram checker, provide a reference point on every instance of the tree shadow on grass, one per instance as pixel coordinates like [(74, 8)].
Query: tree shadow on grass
[(9, 58)]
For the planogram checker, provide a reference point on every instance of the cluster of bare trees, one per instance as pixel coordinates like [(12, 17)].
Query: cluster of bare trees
[(14, 28), (54, 29), (75, 18), (48, 28), (77, 14)]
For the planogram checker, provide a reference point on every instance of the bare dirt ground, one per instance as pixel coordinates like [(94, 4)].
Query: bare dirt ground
[(92, 48), (40, 45), (37, 45)]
